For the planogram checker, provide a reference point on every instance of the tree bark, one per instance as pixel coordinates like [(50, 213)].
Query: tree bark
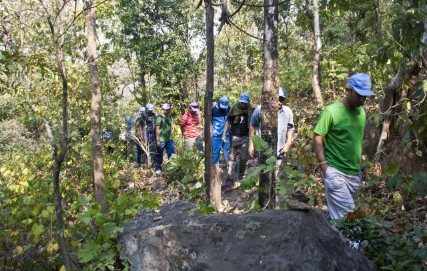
[(392, 95), (95, 111), (59, 158), (213, 185), (269, 99), (317, 56)]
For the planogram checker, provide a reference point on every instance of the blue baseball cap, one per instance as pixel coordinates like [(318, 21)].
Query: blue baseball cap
[(223, 102), (361, 83), (282, 92), (142, 109), (244, 98), (149, 107)]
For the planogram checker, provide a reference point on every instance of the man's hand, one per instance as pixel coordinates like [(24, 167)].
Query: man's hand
[(324, 167), (251, 149)]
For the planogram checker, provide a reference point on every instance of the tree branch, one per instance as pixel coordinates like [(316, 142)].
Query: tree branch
[(259, 6)]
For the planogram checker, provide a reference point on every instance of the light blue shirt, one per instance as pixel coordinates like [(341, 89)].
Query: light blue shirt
[(285, 123)]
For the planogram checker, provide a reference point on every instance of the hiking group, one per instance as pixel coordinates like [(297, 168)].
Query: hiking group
[(337, 138)]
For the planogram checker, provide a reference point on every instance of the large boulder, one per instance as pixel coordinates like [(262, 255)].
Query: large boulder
[(173, 238)]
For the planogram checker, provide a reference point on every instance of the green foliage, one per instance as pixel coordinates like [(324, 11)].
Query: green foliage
[(412, 183), (185, 172), (388, 250)]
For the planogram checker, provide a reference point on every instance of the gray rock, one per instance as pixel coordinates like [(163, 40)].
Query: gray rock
[(271, 240)]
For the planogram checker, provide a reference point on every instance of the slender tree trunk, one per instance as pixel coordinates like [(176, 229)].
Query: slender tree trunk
[(269, 99), (317, 56), (95, 111), (213, 185), (377, 5), (59, 159)]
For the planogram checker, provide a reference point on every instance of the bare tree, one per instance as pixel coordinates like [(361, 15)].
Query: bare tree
[(95, 111), (317, 56), (212, 178), (269, 98)]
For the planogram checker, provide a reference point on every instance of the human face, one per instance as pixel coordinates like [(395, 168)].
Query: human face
[(281, 101), (166, 112), (354, 99), (243, 105)]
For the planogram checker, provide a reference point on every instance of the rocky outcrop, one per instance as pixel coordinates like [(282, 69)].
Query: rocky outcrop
[(173, 239)]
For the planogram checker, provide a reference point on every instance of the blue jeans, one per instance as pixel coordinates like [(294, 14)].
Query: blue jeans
[(217, 145), (169, 146)]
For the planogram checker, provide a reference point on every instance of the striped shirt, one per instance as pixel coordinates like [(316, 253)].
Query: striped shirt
[(190, 125)]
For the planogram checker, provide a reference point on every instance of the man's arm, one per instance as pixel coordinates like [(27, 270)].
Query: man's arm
[(158, 135), (251, 144), (320, 152), (224, 134), (289, 138)]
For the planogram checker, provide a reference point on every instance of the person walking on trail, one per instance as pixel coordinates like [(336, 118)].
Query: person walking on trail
[(337, 139), (190, 126), (164, 139), (285, 128), (107, 137), (140, 127), (238, 122), (219, 120), (129, 141), (150, 124)]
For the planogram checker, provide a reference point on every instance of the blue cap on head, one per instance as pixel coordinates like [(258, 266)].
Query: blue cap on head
[(361, 83), (166, 106), (282, 92), (128, 118), (223, 102), (142, 109), (244, 98), (149, 107), (194, 106)]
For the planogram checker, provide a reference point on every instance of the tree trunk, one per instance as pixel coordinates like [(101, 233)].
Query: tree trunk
[(269, 99), (317, 56), (59, 159), (213, 185), (377, 5), (95, 111), (392, 95)]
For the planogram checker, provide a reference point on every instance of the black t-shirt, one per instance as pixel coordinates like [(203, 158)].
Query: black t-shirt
[(241, 127), (150, 121)]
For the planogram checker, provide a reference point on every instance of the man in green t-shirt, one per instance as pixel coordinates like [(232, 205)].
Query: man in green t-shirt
[(164, 139), (338, 138)]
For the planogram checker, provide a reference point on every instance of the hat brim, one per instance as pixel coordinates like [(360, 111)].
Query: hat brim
[(364, 92), (223, 106), (244, 101), (195, 109)]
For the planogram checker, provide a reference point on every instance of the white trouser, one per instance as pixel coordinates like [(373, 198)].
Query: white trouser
[(340, 191)]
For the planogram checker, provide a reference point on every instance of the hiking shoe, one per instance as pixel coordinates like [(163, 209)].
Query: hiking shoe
[(158, 172)]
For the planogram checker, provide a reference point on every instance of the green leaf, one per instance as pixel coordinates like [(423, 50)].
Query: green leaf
[(88, 252), (260, 145), (270, 161), (37, 229), (84, 217), (391, 170), (395, 181)]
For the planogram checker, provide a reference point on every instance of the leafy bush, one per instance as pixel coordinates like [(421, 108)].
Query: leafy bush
[(390, 251), (185, 172)]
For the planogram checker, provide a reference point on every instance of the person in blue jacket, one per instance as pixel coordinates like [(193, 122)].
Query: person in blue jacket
[(219, 120)]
